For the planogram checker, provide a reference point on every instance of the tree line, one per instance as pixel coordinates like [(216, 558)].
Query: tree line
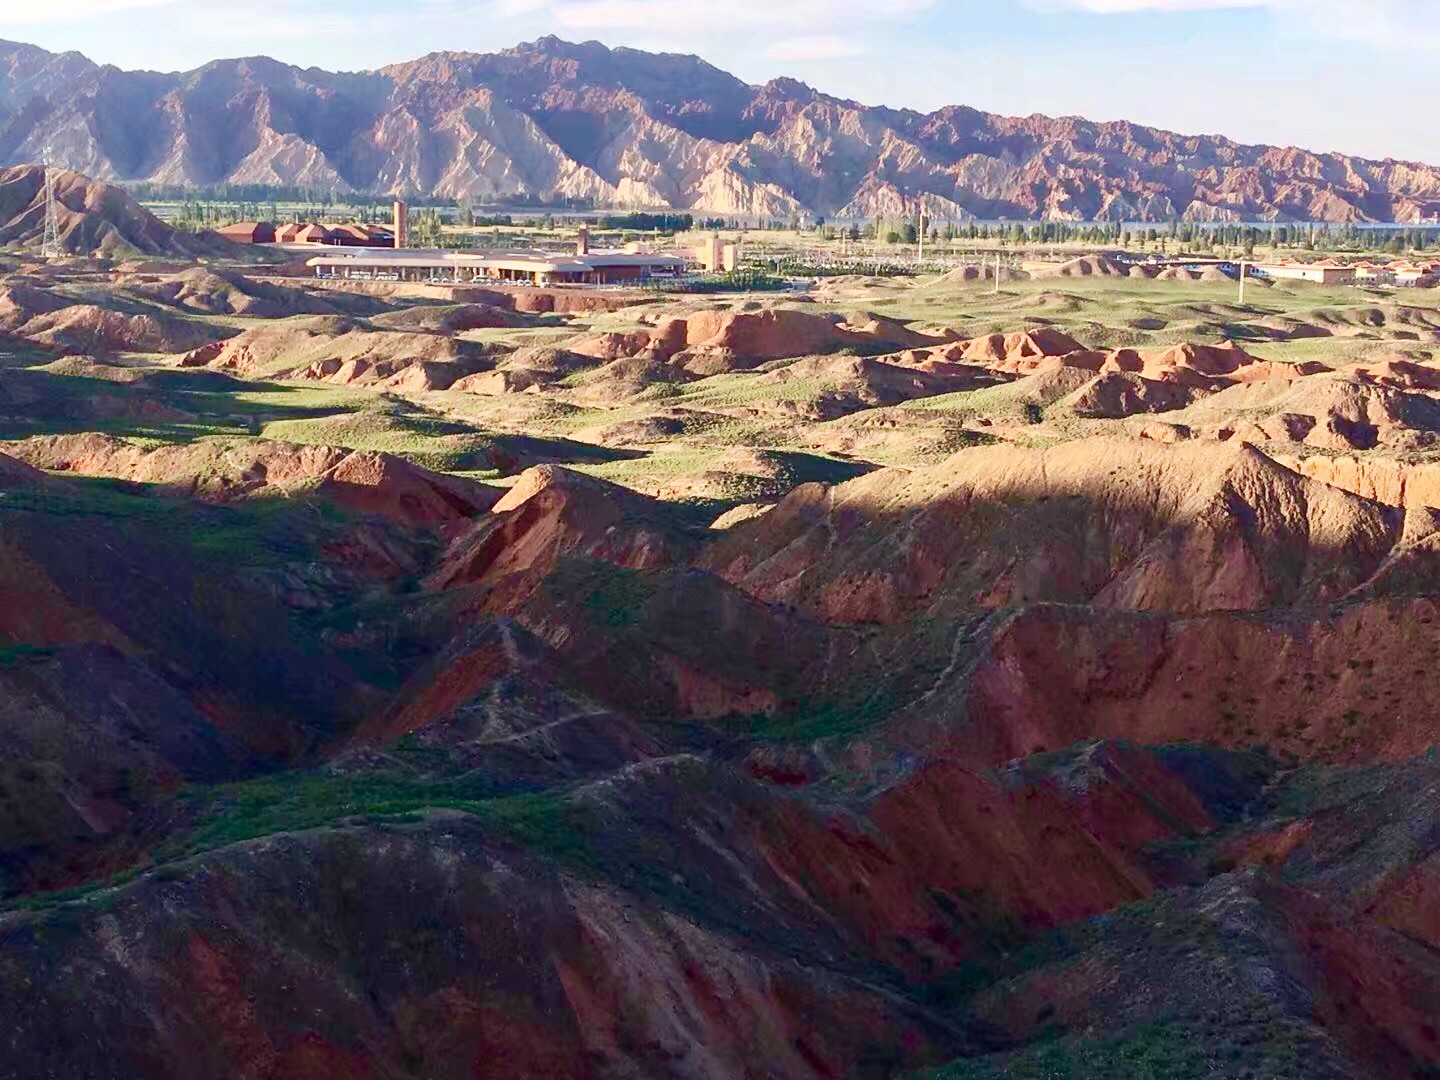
[(1316, 236), (224, 204)]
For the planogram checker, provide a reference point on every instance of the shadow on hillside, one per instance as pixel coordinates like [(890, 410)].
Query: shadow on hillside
[(166, 406), (169, 406), (241, 599)]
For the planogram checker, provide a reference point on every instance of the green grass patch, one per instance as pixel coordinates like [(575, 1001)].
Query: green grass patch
[(548, 823), (615, 599), (254, 531), (160, 406), (90, 892), (545, 822), (841, 718)]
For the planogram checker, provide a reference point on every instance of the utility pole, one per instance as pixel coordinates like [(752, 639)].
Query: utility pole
[(1242, 281), (997, 273)]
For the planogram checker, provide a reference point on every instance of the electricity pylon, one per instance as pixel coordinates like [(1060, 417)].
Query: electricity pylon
[(50, 243)]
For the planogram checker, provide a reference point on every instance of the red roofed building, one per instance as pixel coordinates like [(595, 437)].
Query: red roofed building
[(354, 235), (249, 232)]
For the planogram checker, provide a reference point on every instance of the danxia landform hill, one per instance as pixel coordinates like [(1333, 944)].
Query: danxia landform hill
[(906, 678)]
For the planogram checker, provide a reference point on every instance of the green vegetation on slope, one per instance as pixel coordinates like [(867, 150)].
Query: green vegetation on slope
[(1159, 1051), (290, 801)]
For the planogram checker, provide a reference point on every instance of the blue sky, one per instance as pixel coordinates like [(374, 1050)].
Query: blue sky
[(1351, 75)]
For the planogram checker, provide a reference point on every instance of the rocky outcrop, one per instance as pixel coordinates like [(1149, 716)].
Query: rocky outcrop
[(709, 342), (1397, 483), (1114, 395), (1312, 688), (549, 513), (1329, 411)]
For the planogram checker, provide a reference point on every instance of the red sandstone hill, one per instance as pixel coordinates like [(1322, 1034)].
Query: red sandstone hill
[(550, 513), (210, 291), (1053, 757), (565, 120), (1105, 522), (220, 470), (966, 763), (95, 218), (711, 341), (333, 348)]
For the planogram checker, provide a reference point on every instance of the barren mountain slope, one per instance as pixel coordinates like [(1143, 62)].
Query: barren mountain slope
[(560, 120)]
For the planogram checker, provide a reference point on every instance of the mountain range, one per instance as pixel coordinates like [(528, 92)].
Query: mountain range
[(620, 127)]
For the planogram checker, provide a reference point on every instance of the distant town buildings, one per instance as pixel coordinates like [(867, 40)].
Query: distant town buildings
[(521, 267), (1326, 272), (349, 235), (1414, 275), (1403, 273), (383, 253)]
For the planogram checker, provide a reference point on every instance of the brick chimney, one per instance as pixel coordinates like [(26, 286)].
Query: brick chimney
[(401, 226), (582, 245)]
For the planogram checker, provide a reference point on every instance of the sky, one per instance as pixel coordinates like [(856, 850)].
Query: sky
[(1356, 76)]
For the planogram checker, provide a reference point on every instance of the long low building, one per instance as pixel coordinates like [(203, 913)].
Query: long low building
[(1328, 272), (527, 267)]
